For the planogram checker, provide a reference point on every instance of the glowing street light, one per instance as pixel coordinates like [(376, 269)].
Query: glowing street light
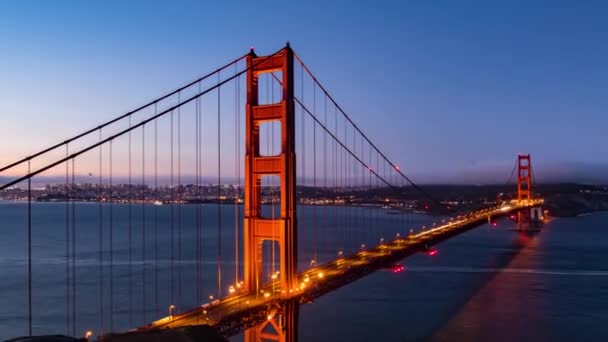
[(231, 289), (88, 334), (171, 308)]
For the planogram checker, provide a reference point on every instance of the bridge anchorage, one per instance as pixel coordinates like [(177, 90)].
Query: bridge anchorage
[(321, 206)]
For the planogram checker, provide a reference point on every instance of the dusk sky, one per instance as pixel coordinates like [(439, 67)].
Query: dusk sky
[(443, 87)]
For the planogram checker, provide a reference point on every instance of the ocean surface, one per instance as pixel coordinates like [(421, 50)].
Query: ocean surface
[(490, 283)]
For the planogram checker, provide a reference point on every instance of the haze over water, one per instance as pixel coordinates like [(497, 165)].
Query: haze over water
[(489, 283)]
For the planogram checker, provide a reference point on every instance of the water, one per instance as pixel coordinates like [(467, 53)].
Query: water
[(490, 283), (487, 284)]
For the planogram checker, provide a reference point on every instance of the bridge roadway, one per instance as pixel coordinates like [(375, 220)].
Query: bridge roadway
[(237, 312)]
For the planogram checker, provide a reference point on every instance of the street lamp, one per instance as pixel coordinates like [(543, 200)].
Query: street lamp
[(88, 334), (171, 308)]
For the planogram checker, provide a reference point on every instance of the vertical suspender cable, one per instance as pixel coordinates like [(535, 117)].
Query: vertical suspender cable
[(219, 190), (200, 195), (156, 305), (73, 250), (236, 174), (67, 242), (356, 223), (197, 208), (314, 177), (143, 221), (348, 231), (172, 219), (335, 175), (325, 215), (111, 199), (179, 202), (302, 227), (100, 235), (130, 233), (272, 192), (363, 192), (29, 248), (370, 191)]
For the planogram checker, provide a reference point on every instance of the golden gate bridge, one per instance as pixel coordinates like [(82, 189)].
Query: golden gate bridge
[(237, 154)]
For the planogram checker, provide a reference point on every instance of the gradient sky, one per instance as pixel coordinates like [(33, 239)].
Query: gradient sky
[(444, 87)]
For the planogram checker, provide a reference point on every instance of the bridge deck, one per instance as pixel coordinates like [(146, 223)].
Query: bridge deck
[(232, 314)]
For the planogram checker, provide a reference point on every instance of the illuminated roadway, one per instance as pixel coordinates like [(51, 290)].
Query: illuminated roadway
[(232, 314)]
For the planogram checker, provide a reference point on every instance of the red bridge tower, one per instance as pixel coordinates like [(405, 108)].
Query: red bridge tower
[(257, 228)]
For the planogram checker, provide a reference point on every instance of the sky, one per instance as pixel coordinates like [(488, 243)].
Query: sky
[(451, 90)]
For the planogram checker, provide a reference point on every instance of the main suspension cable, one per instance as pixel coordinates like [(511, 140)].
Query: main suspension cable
[(129, 114)]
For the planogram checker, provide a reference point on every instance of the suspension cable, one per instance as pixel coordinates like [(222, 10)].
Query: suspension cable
[(409, 180), (341, 143), (107, 123), (132, 127), (512, 172)]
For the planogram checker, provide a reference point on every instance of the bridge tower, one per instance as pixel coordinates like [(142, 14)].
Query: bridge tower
[(525, 218), (257, 228), (524, 177)]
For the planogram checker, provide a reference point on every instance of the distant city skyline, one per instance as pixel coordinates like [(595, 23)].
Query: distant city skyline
[(450, 92)]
